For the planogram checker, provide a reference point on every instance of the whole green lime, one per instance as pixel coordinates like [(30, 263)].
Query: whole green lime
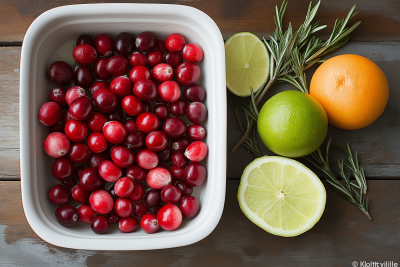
[(292, 124)]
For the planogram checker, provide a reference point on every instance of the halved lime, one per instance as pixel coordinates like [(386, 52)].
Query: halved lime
[(281, 195), (247, 63)]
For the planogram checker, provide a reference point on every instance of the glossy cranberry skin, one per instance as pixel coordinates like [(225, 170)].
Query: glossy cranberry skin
[(84, 54), (79, 153), (196, 132), (50, 113), (97, 158), (66, 117), (96, 122), (99, 69), (146, 41), (165, 155), (123, 207), (74, 93), (90, 180), (161, 46), (196, 151), (57, 95), (140, 209), (124, 187), (195, 174), (156, 141), (179, 160), (173, 59), (86, 213), (113, 217), (105, 100), (178, 108), (100, 224), (123, 157), (149, 223), (169, 217), (130, 126), (156, 210), (97, 85), (128, 225), (112, 193), (163, 72), (193, 53), (78, 170), (70, 182), (152, 198), (136, 173), (147, 107), (145, 90), (154, 57), (158, 177), (59, 195), (189, 206), (76, 131), (109, 171), (171, 194), (177, 173), (187, 73), (97, 143), (84, 39), (80, 195), (82, 108), (101, 201), (115, 132), (67, 215), (174, 127), (180, 144), (135, 140), (138, 192), (60, 73), (137, 59), (62, 169), (146, 159), (139, 72), (175, 42), (103, 44), (196, 113), (121, 86), (124, 43), (56, 145), (186, 189), (147, 122), (84, 76), (117, 65), (132, 105)]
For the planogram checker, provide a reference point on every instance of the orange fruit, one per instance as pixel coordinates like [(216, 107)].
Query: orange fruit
[(352, 89)]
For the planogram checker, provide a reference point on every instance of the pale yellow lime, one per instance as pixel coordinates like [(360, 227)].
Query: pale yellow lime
[(281, 196), (247, 63)]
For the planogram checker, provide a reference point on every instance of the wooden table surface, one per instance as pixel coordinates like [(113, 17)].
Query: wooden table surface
[(343, 234)]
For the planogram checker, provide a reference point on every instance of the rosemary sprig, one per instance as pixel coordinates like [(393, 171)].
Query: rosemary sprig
[(352, 192)]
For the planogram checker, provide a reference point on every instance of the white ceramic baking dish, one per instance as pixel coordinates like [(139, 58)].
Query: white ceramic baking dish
[(51, 37)]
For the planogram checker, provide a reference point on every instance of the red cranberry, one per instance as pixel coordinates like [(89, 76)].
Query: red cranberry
[(56, 145), (84, 54), (140, 209), (161, 46), (78, 170), (100, 224), (62, 168), (124, 187), (175, 42), (97, 143), (193, 53), (179, 159), (76, 131), (74, 93), (187, 73), (67, 215), (121, 86), (124, 43), (59, 127), (145, 90), (149, 223), (147, 122), (147, 107), (153, 58), (97, 85), (85, 39), (96, 122), (131, 105), (180, 144), (178, 108), (105, 100), (146, 41), (196, 132), (174, 127), (117, 115), (136, 173), (84, 76), (90, 180), (79, 153), (152, 198), (185, 188), (99, 68), (50, 114), (170, 194), (156, 141), (97, 158), (146, 159), (137, 59), (156, 210), (71, 182), (163, 72), (177, 173), (196, 113), (60, 73), (158, 177), (109, 171), (189, 206), (117, 65), (165, 155), (57, 95), (122, 156), (173, 59), (115, 132), (169, 217), (59, 195), (135, 140), (66, 117), (113, 217), (139, 72), (130, 126), (195, 174), (103, 44), (138, 192), (82, 108), (128, 225), (111, 190), (86, 213), (101, 201), (123, 207), (196, 151), (80, 195)]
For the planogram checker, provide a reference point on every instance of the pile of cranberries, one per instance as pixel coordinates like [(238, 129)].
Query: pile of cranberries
[(120, 121)]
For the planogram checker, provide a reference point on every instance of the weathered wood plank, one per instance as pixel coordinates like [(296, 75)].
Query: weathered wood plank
[(342, 236), (380, 20)]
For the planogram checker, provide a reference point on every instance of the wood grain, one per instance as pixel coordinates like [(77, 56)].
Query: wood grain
[(343, 235), (380, 20)]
